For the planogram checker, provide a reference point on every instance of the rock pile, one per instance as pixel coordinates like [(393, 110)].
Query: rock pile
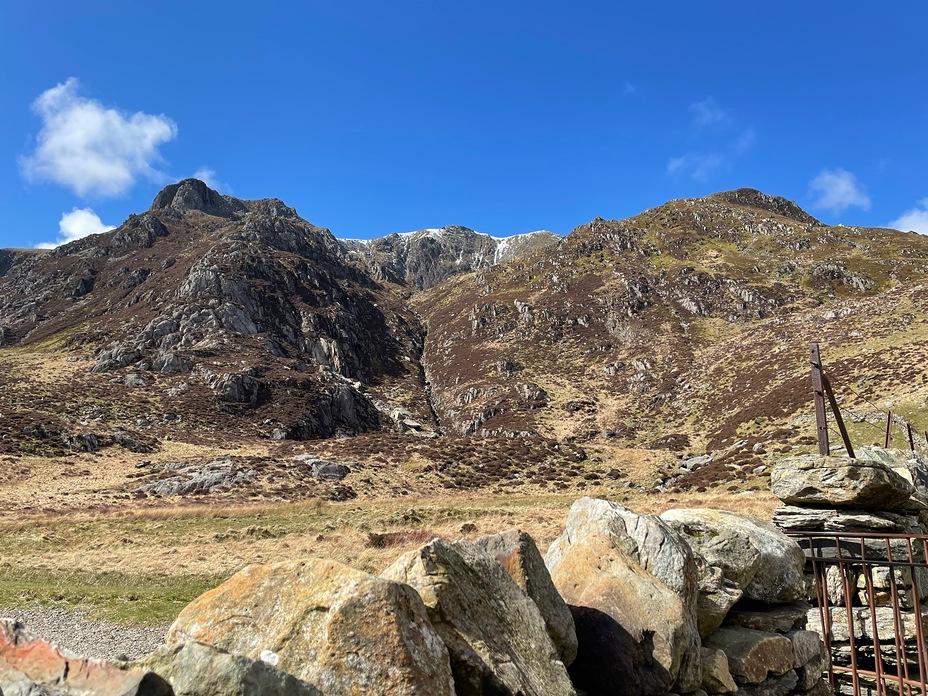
[(881, 492), (693, 602)]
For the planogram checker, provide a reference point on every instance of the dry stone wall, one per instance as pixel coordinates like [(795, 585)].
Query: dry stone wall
[(880, 492), (693, 602)]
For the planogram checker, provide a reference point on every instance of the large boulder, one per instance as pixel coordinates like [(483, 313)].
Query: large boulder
[(517, 553), (631, 583), (763, 562), (198, 669), (33, 667), (341, 630), (819, 480), (496, 637)]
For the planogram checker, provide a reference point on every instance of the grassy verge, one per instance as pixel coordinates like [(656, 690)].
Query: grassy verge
[(114, 597), (143, 566)]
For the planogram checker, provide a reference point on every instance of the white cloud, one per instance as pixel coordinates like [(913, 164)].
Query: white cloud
[(208, 177), (90, 148), (79, 223), (915, 219), (707, 112), (628, 89), (837, 190)]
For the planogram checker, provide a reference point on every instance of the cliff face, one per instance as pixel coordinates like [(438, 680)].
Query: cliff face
[(239, 311), (425, 258)]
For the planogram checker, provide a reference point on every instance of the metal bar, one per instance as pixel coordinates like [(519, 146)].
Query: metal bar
[(908, 429), (848, 603), (874, 631), (837, 413), (890, 670), (919, 628), (889, 430), (818, 394), (902, 664)]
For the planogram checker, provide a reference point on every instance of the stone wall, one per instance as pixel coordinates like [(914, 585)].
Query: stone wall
[(828, 500), (692, 602)]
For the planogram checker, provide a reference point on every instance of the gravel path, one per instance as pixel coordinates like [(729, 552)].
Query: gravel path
[(74, 631)]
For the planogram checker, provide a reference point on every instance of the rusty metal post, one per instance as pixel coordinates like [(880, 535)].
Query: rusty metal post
[(818, 392), (889, 430), (836, 410), (908, 429)]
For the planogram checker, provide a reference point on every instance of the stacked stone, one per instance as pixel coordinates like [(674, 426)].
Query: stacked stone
[(882, 491), (693, 602)]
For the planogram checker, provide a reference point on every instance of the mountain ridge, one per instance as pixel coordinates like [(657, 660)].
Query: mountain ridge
[(681, 328)]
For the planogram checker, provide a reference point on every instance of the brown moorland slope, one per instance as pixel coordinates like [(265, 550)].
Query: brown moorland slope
[(210, 327)]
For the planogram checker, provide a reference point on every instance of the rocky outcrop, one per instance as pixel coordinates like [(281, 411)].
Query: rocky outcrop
[(33, 667), (181, 478), (631, 583), (496, 636), (515, 550), (426, 258), (819, 480), (339, 629)]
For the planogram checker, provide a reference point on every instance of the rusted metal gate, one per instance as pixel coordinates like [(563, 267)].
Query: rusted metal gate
[(871, 607)]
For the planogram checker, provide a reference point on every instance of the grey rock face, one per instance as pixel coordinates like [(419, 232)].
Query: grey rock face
[(496, 637), (197, 669), (193, 195), (839, 482), (322, 469), (517, 553), (762, 561), (425, 258)]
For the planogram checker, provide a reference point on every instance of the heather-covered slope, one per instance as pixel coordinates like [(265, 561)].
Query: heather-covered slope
[(683, 327)]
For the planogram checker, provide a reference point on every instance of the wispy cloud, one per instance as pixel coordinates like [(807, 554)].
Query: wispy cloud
[(700, 165), (721, 138), (90, 148), (208, 176), (79, 223), (628, 89), (707, 112), (836, 190), (915, 219)]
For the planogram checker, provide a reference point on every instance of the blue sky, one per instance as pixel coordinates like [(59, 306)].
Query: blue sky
[(373, 117)]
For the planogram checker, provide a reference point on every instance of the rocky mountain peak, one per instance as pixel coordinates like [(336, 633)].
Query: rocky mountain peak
[(194, 195), (752, 198)]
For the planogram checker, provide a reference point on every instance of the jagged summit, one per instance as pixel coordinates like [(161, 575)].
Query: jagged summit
[(194, 195), (752, 198), (425, 258)]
